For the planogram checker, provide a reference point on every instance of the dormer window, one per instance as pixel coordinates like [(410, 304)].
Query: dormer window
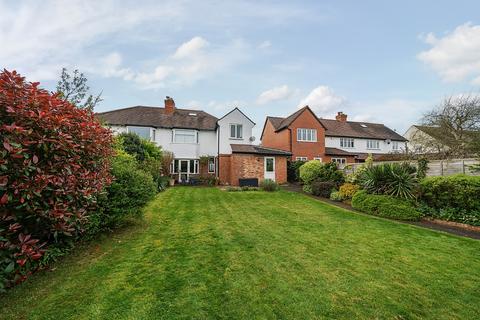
[(236, 131)]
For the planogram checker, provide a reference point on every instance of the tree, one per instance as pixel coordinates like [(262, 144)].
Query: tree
[(74, 89), (457, 119)]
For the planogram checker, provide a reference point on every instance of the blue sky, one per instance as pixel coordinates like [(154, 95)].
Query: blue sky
[(379, 61)]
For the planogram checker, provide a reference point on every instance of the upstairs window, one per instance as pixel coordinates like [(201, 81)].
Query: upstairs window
[(236, 131), (184, 136), (373, 144), (347, 143), (142, 132), (307, 135), (301, 159)]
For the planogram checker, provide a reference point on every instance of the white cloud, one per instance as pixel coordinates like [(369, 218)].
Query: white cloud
[(275, 94), (265, 45), (322, 99), (190, 48), (456, 56), (192, 62)]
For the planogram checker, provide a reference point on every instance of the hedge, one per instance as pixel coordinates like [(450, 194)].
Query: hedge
[(385, 206), (455, 198)]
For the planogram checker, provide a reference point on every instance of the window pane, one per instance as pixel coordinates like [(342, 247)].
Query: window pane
[(211, 165), (269, 164), (314, 135), (239, 131), (142, 132), (185, 136), (232, 131)]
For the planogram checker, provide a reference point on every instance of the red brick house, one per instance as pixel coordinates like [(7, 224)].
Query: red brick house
[(308, 137)]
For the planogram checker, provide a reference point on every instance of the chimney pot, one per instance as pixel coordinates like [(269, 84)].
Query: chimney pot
[(341, 117), (169, 105)]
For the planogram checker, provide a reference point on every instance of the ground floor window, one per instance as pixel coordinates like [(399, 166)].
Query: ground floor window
[(211, 165), (318, 158), (184, 166), (340, 162), (301, 158)]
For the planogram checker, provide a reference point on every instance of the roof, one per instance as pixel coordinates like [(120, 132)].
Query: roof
[(283, 123), (250, 148), (236, 108), (354, 129), (338, 152), (434, 132), (157, 117)]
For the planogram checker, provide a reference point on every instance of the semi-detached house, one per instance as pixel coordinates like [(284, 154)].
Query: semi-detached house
[(308, 137), (192, 134)]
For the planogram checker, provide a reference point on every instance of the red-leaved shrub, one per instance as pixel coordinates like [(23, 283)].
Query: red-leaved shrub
[(54, 160)]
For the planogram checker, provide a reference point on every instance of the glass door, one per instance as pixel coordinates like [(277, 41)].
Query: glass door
[(183, 171)]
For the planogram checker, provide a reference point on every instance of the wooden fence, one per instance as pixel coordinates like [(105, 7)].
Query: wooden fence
[(435, 167)]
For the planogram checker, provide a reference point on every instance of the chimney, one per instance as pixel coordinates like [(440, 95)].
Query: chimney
[(341, 117), (169, 105)]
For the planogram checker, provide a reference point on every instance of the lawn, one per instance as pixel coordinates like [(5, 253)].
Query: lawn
[(205, 253)]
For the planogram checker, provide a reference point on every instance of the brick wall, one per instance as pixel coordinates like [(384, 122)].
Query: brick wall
[(238, 166), (279, 140), (308, 149)]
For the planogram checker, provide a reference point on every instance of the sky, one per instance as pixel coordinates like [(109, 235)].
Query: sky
[(377, 61)]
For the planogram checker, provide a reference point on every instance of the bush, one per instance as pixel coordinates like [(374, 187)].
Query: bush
[(316, 171), (131, 189), (54, 161), (336, 196), (140, 148), (293, 170), (456, 197), (385, 206), (268, 185), (390, 179), (348, 190), (323, 188)]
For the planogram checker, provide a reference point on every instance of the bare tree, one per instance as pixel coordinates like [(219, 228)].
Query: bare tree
[(74, 89), (458, 121)]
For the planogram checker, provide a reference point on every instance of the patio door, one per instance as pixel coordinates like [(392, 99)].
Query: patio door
[(269, 168), (183, 170)]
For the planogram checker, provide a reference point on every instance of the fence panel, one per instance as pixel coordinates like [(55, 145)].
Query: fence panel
[(435, 167)]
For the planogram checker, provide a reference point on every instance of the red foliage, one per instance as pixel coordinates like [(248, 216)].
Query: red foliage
[(53, 163)]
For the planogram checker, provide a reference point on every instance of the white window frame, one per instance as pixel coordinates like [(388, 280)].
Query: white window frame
[(129, 130), (341, 162), (395, 145), (175, 132), (301, 159), (318, 158), (177, 162), (373, 144), (306, 135), (237, 126), (210, 162), (347, 143)]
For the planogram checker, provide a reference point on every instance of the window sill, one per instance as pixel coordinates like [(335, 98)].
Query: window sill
[(235, 138), (306, 141)]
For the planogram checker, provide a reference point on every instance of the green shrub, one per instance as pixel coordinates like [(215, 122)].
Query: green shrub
[(293, 170), (248, 188), (336, 196), (131, 189), (268, 185), (315, 170), (455, 198), (348, 190), (140, 148), (323, 188), (390, 179), (233, 189), (385, 206)]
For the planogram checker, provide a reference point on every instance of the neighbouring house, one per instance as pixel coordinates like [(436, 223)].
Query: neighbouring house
[(195, 134), (308, 137)]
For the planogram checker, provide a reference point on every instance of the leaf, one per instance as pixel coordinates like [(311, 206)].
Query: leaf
[(4, 198), (7, 146), (10, 267), (35, 159)]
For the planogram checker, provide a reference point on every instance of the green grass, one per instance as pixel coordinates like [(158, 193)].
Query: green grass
[(204, 253)]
